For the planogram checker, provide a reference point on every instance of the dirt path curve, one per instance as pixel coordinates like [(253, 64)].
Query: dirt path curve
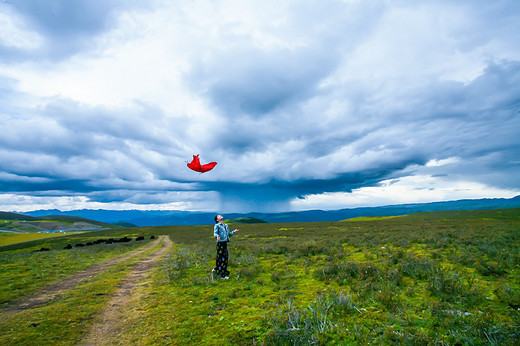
[(110, 322), (56, 290)]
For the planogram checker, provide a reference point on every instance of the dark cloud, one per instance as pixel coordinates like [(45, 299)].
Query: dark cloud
[(257, 83), (69, 128), (74, 148), (477, 122), (66, 18), (66, 27), (50, 186), (245, 76), (275, 195), (329, 98)]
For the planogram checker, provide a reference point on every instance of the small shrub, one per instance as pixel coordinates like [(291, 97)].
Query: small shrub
[(292, 326), (247, 272), (339, 302), (176, 265), (311, 249), (509, 296), (439, 309), (275, 248), (490, 269), (370, 272), (201, 280), (387, 298), (396, 256), (282, 279), (417, 268), (327, 273), (446, 286), (242, 259)]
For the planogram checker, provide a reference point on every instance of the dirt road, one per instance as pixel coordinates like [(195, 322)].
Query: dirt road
[(56, 290), (110, 321)]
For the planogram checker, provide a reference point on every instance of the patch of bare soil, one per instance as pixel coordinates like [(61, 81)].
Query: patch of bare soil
[(110, 322), (56, 290)]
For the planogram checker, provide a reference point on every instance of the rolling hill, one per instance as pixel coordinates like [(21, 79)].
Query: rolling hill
[(175, 217), (14, 222)]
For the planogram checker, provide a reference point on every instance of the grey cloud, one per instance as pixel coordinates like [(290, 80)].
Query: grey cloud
[(490, 106), (66, 130), (66, 26), (82, 148), (62, 18), (293, 122), (118, 196), (501, 20), (477, 122), (256, 82), (276, 195), (247, 77), (444, 119), (6, 85), (27, 185), (144, 196), (139, 122)]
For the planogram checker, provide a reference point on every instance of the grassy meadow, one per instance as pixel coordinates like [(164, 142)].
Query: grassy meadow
[(19, 223), (441, 278), (15, 238)]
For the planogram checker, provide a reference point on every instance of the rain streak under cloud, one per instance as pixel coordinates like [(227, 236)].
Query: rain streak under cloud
[(303, 104)]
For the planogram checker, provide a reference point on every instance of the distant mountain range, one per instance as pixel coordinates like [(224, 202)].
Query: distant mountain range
[(175, 217)]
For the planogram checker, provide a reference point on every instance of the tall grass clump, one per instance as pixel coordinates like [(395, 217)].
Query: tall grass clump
[(183, 258), (509, 296), (417, 268), (176, 264), (307, 326), (345, 272), (454, 288)]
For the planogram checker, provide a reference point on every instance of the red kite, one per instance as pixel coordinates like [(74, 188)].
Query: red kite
[(197, 167)]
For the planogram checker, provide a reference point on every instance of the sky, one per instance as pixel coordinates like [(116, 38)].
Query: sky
[(304, 104)]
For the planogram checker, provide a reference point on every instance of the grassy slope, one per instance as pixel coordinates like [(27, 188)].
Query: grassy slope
[(14, 216), (372, 218), (14, 238), (65, 320), (431, 277), (23, 223), (442, 277), (57, 243)]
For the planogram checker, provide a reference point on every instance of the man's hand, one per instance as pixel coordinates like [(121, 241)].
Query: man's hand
[(235, 230), (218, 238)]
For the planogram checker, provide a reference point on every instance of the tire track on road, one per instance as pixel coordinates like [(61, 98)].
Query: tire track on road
[(110, 322), (56, 290)]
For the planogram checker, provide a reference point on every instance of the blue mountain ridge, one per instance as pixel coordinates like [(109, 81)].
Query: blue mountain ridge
[(175, 217)]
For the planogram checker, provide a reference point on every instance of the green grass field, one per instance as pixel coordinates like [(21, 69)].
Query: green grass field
[(13, 222), (373, 218), (441, 278), (14, 238)]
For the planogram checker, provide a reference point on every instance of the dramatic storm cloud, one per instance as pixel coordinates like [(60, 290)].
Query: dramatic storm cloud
[(303, 104)]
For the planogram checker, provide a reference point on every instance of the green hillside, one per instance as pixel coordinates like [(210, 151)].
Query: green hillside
[(4, 215), (13, 222), (436, 278), (244, 220)]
